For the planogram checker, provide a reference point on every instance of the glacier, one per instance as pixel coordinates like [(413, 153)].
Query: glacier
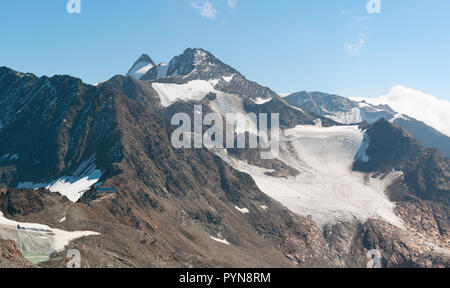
[(326, 189), (35, 235)]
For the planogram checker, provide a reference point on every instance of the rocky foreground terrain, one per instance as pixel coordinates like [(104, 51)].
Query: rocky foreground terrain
[(10, 256)]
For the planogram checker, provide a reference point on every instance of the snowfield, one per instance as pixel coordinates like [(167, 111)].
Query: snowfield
[(326, 189), (232, 104), (140, 69), (73, 187), (353, 116), (32, 241), (197, 90), (193, 90)]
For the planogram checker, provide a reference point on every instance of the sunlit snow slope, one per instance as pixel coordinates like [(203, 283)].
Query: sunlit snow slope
[(326, 189), (73, 187)]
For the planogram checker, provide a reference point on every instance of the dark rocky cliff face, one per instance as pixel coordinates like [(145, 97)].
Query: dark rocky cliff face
[(52, 125), (426, 171)]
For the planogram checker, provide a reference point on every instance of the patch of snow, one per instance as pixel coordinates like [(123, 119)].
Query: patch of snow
[(228, 78), (140, 69), (261, 101), (398, 116), (196, 90), (326, 188), (19, 74), (296, 108), (229, 103), (214, 82), (62, 219), (364, 104), (242, 210), (61, 238), (199, 56), (73, 187), (9, 157), (318, 122), (27, 226), (193, 90), (439, 250), (220, 240), (351, 117)]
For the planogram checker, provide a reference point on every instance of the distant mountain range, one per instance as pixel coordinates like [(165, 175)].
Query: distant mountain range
[(346, 111), (348, 177)]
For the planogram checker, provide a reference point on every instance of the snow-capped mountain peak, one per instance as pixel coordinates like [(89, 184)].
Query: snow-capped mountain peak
[(141, 66), (195, 73), (193, 63)]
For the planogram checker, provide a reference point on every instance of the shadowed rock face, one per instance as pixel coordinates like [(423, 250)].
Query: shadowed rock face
[(426, 171), (26, 205), (52, 125)]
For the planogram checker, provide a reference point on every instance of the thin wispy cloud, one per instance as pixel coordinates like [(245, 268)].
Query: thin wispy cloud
[(361, 25), (205, 8), (232, 3), (208, 8), (355, 48)]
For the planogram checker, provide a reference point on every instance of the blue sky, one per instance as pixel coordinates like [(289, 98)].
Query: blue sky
[(332, 46)]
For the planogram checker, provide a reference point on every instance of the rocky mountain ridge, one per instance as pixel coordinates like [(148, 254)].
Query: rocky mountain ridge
[(189, 207)]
